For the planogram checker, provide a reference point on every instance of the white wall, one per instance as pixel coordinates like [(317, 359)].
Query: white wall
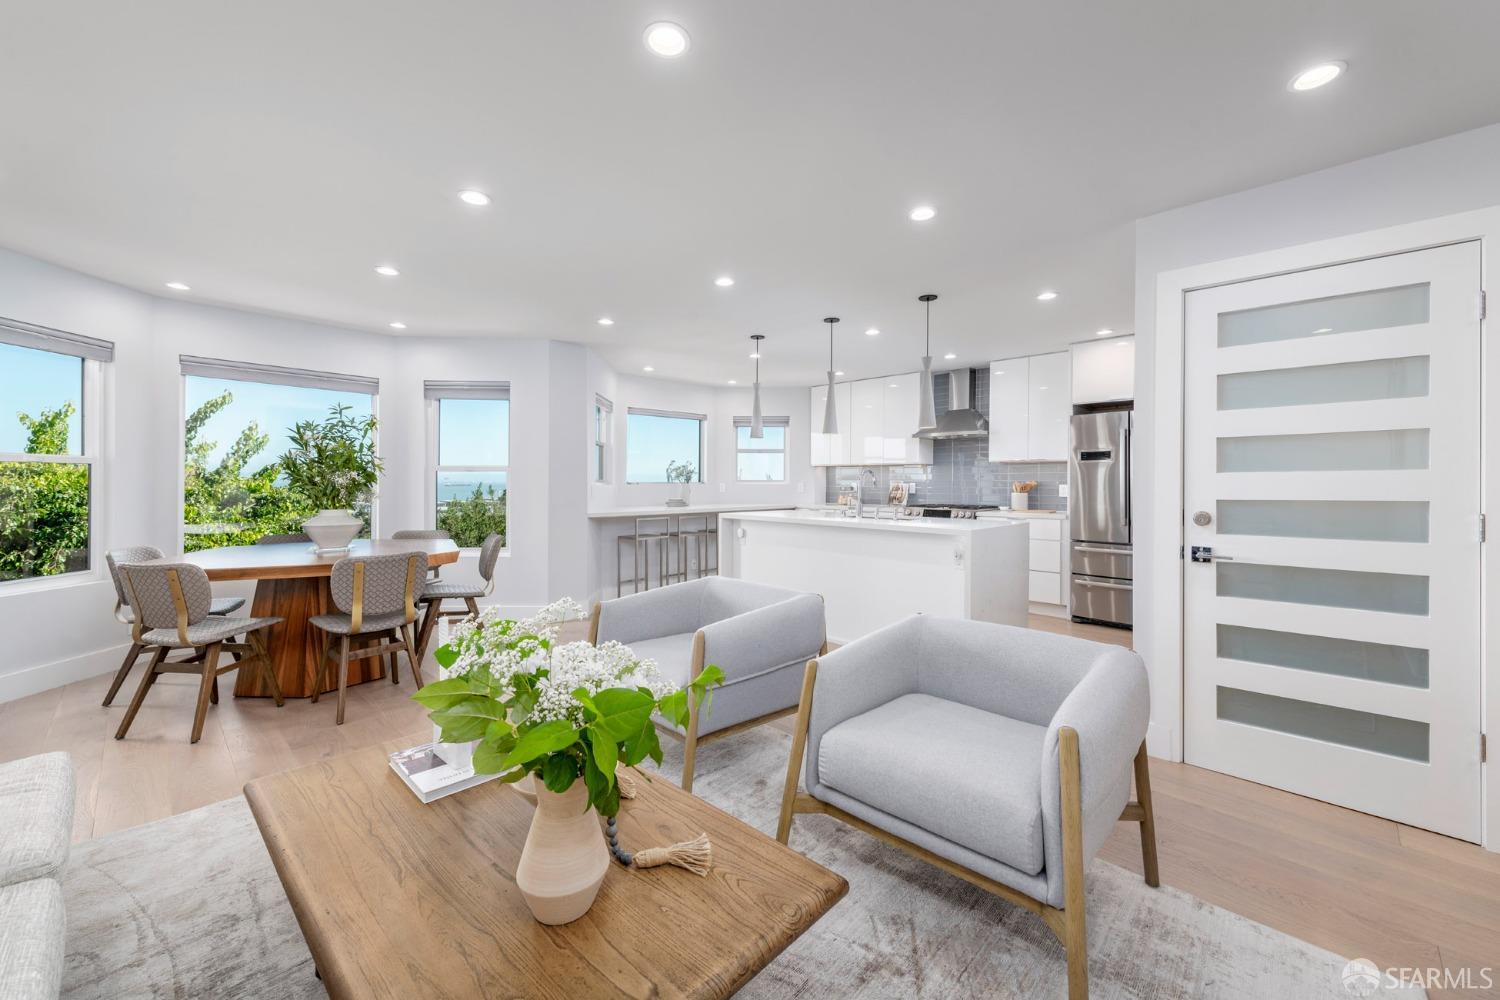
[(1447, 176)]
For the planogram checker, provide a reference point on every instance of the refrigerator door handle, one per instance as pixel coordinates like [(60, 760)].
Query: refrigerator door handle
[(1125, 475)]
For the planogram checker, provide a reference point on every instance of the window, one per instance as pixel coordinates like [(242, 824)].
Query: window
[(49, 439), (663, 447), (470, 424), (604, 412), (760, 460), (238, 421)]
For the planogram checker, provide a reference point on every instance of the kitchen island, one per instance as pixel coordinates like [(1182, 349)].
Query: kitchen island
[(872, 572)]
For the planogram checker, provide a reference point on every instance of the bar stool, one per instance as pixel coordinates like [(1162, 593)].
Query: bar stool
[(704, 540), (643, 541)]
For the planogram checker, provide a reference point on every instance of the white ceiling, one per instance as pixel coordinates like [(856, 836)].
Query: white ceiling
[(270, 154)]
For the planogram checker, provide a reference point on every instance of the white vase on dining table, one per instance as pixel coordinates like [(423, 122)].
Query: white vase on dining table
[(331, 531)]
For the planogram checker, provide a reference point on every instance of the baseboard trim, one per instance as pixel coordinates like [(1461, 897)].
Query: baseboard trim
[(34, 680)]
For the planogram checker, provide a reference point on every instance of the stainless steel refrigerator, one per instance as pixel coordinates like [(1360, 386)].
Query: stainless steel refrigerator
[(1099, 491)]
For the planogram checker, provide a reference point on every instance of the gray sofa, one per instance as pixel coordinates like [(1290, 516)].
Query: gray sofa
[(36, 826), (1003, 755), (761, 637)]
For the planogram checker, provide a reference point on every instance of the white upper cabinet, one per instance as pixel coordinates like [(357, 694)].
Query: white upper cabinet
[(1030, 409), (1010, 409), (877, 417), (830, 449), (1049, 408), (900, 421), (1104, 370)]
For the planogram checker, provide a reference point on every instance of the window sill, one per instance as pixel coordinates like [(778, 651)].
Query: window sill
[(43, 584)]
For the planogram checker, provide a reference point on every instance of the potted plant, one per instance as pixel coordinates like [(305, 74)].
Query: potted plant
[(332, 464), (681, 475), (1020, 494), (565, 716)]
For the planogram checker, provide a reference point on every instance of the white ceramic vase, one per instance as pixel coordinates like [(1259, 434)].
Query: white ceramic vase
[(681, 493), (565, 858), (332, 530), (1020, 501), (526, 788)]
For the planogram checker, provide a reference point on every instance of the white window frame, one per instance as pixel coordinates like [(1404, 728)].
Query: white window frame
[(645, 411), (783, 422), (604, 418), (247, 371), (91, 432), (435, 393)]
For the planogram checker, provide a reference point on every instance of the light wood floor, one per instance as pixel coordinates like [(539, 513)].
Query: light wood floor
[(1351, 883)]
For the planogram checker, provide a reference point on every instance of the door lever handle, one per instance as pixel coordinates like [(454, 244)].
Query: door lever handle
[(1205, 554)]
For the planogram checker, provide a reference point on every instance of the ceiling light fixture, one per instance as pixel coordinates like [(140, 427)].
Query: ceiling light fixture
[(757, 425), (178, 286), (1317, 76), (476, 198), (666, 39), (1323, 329), (396, 324), (949, 357), (648, 368), (733, 382), (386, 271), (724, 281), (1046, 296), (922, 213), (872, 332), (840, 374), (605, 321), (830, 409), (1104, 332), (926, 408)]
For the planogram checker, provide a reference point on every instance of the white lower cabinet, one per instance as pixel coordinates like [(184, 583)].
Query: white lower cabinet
[(1048, 560)]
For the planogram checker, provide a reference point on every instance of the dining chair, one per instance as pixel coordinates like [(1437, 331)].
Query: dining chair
[(172, 603), (376, 597), (436, 592), (283, 539), (125, 616), (425, 534)]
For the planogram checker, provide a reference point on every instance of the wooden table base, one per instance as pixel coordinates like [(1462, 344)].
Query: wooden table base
[(295, 645)]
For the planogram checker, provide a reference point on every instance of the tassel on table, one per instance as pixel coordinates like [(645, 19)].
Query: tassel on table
[(626, 781), (696, 855)]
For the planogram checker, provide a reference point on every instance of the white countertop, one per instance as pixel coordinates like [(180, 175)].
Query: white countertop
[(690, 510), (914, 525), (1058, 515)]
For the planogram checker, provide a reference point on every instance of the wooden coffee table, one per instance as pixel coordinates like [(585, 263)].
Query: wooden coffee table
[(401, 899)]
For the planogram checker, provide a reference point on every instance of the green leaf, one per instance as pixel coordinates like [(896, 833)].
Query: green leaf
[(621, 712), (559, 771), (542, 739), (710, 676), (489, 759), (468, 719), (440, 695), (674, 707), (645, 744), (446, 656), (606, 752)]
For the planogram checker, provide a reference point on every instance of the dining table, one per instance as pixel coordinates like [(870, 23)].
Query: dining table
[(292, 583)]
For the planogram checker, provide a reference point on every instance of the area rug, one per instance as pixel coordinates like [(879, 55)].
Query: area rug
[(191, 907)]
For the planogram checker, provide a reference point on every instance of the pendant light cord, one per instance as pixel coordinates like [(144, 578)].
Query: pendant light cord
[(928, 304)]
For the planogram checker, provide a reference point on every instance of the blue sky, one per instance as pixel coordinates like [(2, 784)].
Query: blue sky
[(474, 432), (651, 442), (32, 381), (274, 407)]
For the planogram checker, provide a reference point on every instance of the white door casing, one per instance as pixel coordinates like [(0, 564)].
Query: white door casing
[(1332, 436)]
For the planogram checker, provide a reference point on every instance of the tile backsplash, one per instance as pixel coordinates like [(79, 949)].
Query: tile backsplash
[(961, 471)]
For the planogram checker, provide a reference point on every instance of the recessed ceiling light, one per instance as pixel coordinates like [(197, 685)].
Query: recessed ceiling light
[(922, 213), (755, 356), (895, 385), (386, 271), (476, 198), (1324, 329), (1046, 296), (836, 374), (1317, 76), (606, 321), (666, 39), (648, 368), (1104, 332), (872, 332), (733, 382), (178, 286), (950, 357), (1123, 343), (396, 324), (724, 281)]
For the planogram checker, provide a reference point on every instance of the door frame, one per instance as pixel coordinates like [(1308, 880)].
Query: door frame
[(1164, 566)]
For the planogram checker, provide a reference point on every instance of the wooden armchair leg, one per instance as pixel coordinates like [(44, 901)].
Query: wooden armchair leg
[(268, 669), (213, 691), (131, 655), (343, 677), (147, 679), (409, 638), (1148, 818), (1075, 927), (690, 751), (424, 631), (473, 607), (799, 745), (205, 690)]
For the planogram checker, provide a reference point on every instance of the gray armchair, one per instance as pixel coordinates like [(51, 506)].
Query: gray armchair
[(761, 637), (1002, 755)]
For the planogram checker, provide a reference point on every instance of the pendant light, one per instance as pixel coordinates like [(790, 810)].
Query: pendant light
[(926, 409), (830, 410), (757, 427)]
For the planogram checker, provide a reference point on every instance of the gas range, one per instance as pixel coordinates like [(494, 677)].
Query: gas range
[(966, 511)]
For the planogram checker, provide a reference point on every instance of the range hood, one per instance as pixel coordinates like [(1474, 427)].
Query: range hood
[(961, 419)]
